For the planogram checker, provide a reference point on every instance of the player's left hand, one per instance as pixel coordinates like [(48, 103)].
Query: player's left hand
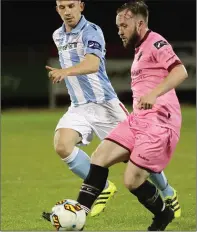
[(147, 101), (56, 74)]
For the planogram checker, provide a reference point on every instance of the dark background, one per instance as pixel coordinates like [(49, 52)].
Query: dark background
[(27, 28)]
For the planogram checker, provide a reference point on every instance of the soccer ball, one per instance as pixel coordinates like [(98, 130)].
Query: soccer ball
[(68, 215)]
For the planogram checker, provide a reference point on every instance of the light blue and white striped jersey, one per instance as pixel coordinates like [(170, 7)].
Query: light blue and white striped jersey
[(85, 38)]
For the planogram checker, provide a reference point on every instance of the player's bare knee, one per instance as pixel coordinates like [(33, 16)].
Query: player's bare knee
[(134, 178), (63, 149), (132, 181), (98, 158), (65, 141)]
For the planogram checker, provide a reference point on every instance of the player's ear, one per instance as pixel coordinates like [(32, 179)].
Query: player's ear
[(82, 6), (56, 9), (139, 25)]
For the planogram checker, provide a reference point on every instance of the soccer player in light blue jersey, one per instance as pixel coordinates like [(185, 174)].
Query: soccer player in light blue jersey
[(95, 107)]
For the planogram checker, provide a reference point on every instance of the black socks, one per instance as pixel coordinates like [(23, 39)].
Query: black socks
[(92, 186), (148, 195)]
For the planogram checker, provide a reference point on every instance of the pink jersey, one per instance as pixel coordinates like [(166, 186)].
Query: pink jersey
[(154, 59)]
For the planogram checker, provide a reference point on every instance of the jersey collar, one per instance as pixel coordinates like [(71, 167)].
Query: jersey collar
[(143, 39)]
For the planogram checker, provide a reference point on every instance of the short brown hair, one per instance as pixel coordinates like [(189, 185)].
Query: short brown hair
[(137, 7)]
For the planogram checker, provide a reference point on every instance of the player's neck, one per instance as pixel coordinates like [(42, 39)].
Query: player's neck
[(68, 29), (143, 33), (142, 36)]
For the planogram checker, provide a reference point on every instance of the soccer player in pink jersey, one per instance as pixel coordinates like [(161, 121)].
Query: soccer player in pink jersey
[(149, 135)]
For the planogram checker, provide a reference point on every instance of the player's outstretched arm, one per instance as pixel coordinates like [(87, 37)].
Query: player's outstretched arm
[(89, 65)]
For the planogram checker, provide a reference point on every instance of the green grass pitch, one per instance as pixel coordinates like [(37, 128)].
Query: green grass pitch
[(34, 178)]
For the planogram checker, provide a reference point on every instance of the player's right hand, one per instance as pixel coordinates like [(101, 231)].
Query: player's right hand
[(56, 74)]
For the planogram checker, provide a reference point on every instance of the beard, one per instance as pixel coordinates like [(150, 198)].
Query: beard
[(133, 40)]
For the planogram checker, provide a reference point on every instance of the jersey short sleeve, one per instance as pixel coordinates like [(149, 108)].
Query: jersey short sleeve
[(94, 42), (164, 54), (56, 37)]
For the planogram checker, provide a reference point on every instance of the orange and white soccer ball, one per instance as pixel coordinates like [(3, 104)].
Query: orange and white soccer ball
[(68, 215)]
